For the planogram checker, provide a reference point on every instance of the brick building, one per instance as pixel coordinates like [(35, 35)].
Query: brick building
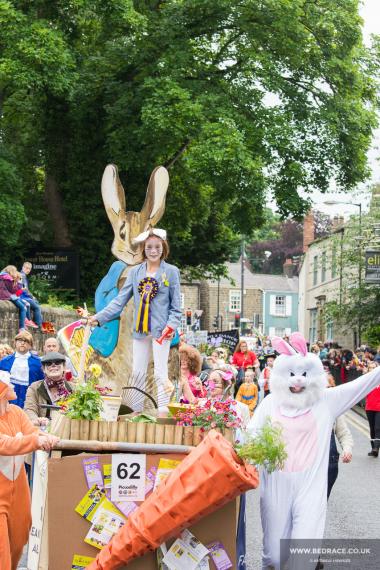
[(229, 293), (190, 300)]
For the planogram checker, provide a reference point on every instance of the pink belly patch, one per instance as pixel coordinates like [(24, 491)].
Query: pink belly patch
[(301, 438)]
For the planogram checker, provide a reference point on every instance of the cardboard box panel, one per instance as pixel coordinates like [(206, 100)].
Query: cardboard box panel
[(67, 529)]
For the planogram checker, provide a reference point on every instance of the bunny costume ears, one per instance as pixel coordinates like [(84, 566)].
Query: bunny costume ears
[(297, 345), (151, 232)]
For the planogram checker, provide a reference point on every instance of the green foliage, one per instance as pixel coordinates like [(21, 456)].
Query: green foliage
[(85, 403), (357, 303), (372, 336), (143, 418), (43, 290), (12, 212), (267, 448), (239, 100), (40, 288)]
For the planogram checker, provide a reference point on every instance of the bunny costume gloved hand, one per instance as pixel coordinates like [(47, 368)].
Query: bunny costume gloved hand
[(293, 501)]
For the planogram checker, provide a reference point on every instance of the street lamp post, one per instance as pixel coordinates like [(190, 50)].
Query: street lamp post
[(333, 203), (242, 285), (218, 306)]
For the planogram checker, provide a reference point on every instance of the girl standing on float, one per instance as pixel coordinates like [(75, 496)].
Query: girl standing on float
[(155, 288)]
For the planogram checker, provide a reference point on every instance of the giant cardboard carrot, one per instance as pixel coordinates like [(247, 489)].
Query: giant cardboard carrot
[(208, 478)]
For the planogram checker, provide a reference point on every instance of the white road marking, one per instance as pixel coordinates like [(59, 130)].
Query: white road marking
[(358, 422)]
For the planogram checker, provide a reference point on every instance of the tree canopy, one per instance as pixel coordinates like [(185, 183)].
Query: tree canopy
[(278, 240), (239, 99)]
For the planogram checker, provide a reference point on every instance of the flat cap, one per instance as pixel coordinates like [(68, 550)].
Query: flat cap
[(50, 356)]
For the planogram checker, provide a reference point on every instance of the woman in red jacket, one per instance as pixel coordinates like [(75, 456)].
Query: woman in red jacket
[(242, 359), (372, 408)]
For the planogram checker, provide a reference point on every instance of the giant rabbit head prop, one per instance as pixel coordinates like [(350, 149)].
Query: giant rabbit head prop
[(128, 225), (298, 378)]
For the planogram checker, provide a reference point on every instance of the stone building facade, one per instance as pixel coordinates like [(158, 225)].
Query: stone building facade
[(321, 280), (190, 300), (229, 293), (9, 322)]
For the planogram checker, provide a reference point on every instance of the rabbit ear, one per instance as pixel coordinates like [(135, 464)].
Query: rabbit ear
[(154, 205), (299, 343), (281, 346), (113, 193)]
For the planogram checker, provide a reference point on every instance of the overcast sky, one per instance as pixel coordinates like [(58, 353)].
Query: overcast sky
[(370, 12)]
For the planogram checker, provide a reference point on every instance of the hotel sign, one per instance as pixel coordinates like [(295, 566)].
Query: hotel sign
[(372, 266)]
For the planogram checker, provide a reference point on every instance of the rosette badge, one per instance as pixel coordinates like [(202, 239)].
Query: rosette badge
[(148, 289)]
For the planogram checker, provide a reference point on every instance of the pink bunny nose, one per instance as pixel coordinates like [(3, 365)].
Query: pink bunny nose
[(297, 385)]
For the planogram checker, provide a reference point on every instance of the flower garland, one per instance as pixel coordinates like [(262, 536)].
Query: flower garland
[(211, 415)]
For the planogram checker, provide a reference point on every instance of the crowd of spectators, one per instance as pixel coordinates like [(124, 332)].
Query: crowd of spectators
[(38, 379)]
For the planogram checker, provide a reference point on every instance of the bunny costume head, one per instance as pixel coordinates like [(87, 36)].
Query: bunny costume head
[(298, 379)]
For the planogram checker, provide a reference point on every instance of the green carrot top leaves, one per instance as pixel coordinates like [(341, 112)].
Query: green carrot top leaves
[(266, 448)]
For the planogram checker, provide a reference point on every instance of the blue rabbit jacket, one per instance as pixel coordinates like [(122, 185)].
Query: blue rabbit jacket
[(165, 307)]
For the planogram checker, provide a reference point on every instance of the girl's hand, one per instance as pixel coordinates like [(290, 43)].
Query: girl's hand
[(43, 422), (46, 442), (90, 321)]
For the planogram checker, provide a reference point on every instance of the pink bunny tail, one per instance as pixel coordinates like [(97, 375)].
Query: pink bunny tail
[(281, 346), (299, 343)]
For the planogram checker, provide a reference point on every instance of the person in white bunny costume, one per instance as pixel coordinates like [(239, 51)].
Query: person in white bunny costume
[(293, 501)]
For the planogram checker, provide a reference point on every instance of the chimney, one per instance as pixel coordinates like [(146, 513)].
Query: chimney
[(338, 222), (335, 222), (308, 230), (289, 267)]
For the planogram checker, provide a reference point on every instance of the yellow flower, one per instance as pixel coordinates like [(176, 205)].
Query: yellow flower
[(95, 370), (165, 280)]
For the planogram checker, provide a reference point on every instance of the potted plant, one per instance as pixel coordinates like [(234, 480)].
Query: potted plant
[(84, 407), (212, 414)]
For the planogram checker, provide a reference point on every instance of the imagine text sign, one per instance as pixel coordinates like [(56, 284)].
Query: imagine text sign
[(57, 265)]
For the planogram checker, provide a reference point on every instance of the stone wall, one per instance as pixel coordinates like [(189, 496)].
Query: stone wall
[(9, 322), (209, 303), (191, 296)]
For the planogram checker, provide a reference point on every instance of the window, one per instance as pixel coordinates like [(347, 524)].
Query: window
[(279, 331), (329, 330), (235, 297), (313, 326), (323, 267), (183, 325), (315, 270), (333, 262), (182, 300), (280, 306)]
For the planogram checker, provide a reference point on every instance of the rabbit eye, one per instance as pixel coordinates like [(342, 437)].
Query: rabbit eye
[(122, 231), (304, 374), (292, 374)]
